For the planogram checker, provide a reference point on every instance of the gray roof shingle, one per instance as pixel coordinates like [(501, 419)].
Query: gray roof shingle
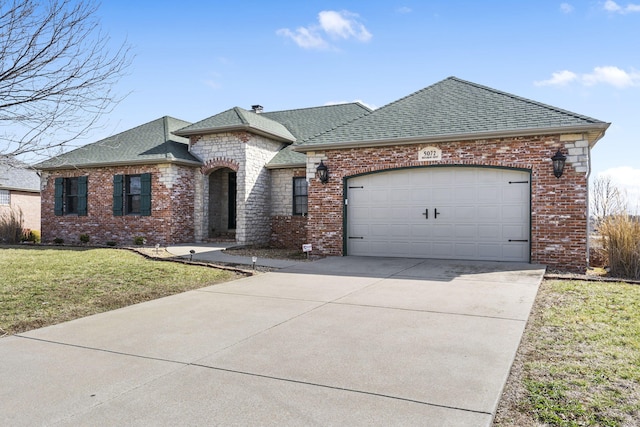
[(16, 175), (152, 142), (452, 107)]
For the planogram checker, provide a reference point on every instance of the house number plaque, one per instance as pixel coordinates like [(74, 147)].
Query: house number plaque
[(429, 154)]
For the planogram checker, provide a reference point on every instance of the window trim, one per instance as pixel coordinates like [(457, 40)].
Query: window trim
[(296, 197)]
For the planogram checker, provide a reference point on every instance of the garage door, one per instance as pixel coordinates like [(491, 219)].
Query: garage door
[(440, 212)]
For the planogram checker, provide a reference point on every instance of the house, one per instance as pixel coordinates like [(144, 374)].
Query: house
[(20, 192), (456, 170)]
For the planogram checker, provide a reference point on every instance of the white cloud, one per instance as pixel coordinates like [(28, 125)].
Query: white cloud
[(559, 78), (343, 25), (608, 75), (566, 8), (404, 10), (613, 76), (626, 179), (612, 6), (305, 38)]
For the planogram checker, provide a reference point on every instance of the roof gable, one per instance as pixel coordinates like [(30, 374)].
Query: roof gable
[(239, 119), (152, 142), (455, 108)]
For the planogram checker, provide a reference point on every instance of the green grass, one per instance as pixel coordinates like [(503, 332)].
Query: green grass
[(581, 357), (43, 286)]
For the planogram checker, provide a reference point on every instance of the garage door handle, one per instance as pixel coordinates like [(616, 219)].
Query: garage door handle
[(356, 237), (426, 213), (518, 240), (436, 213)]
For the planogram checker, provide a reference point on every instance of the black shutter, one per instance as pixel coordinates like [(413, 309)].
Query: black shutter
[(59, 197), (145, 194), (82, 195), (118, 206)]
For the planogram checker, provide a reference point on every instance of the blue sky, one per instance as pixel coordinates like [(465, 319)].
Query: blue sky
[(195, 59)]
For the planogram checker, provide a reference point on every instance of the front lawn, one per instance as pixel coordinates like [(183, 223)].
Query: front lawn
[(579, 360), (42, 286)]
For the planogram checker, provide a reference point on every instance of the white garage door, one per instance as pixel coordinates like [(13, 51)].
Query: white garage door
[(440, 212)]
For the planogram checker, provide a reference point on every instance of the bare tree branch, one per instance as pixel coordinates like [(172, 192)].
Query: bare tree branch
[(606, 199), (57, 74)]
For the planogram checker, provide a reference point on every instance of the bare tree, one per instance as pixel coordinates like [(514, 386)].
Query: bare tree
[(57, 75), (606, 199)]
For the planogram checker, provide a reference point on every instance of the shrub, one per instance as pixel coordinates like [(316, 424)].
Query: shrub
[(58, 240), (139, 240), (111, 243), (11, 226), (34, 236), (84, 238), (621, 245)]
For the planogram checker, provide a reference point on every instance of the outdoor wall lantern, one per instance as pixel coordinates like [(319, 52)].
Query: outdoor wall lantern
[(323, 172), (558, 163)]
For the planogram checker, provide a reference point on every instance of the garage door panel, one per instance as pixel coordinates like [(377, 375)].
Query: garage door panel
[(465, 194), (379, 196), (479, 211)]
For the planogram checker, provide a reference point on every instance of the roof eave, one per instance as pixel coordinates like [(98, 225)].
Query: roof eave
[(173, 160), (234, 128), (598, 128), (23, 190), (286, 166)]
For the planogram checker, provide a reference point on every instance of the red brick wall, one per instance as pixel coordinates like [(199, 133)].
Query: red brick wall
[(171, 219), (559, 206), (288, 231)]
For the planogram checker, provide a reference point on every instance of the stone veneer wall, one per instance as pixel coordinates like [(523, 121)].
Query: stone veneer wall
[(250, 153), (559, 206), (172, 201), (287, 230)]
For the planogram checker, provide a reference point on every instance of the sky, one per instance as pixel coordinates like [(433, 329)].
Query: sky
[(194, 59)]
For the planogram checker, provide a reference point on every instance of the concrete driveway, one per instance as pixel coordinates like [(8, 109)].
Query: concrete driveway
[(340, 341)]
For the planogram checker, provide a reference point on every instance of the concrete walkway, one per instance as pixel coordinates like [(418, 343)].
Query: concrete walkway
[(213, 252), (340, 341)]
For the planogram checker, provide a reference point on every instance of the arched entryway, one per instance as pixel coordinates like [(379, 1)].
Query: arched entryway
[(222, 203)]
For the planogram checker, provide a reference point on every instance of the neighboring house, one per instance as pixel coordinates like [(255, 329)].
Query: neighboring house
[(456, 170), (20, 191)]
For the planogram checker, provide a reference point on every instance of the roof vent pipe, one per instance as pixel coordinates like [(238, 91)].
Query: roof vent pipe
[(257, 108)]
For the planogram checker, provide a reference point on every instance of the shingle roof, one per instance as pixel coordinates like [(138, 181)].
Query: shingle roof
[(307, 122), (152, 142), (16, 175), (239, 119), (453, 108)]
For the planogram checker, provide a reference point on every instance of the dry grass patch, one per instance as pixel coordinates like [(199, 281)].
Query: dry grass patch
[(43, 286), (579, 362)]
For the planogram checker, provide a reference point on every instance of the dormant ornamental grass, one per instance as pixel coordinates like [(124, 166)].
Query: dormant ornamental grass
[(43, 286), (621, 245)]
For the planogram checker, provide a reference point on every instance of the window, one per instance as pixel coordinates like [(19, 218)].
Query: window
[(132, 194), (5, 197), (300, 195), (71, 196)]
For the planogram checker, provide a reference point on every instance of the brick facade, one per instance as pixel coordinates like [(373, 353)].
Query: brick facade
[(558, 206), (172, 207), (287, 230)]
